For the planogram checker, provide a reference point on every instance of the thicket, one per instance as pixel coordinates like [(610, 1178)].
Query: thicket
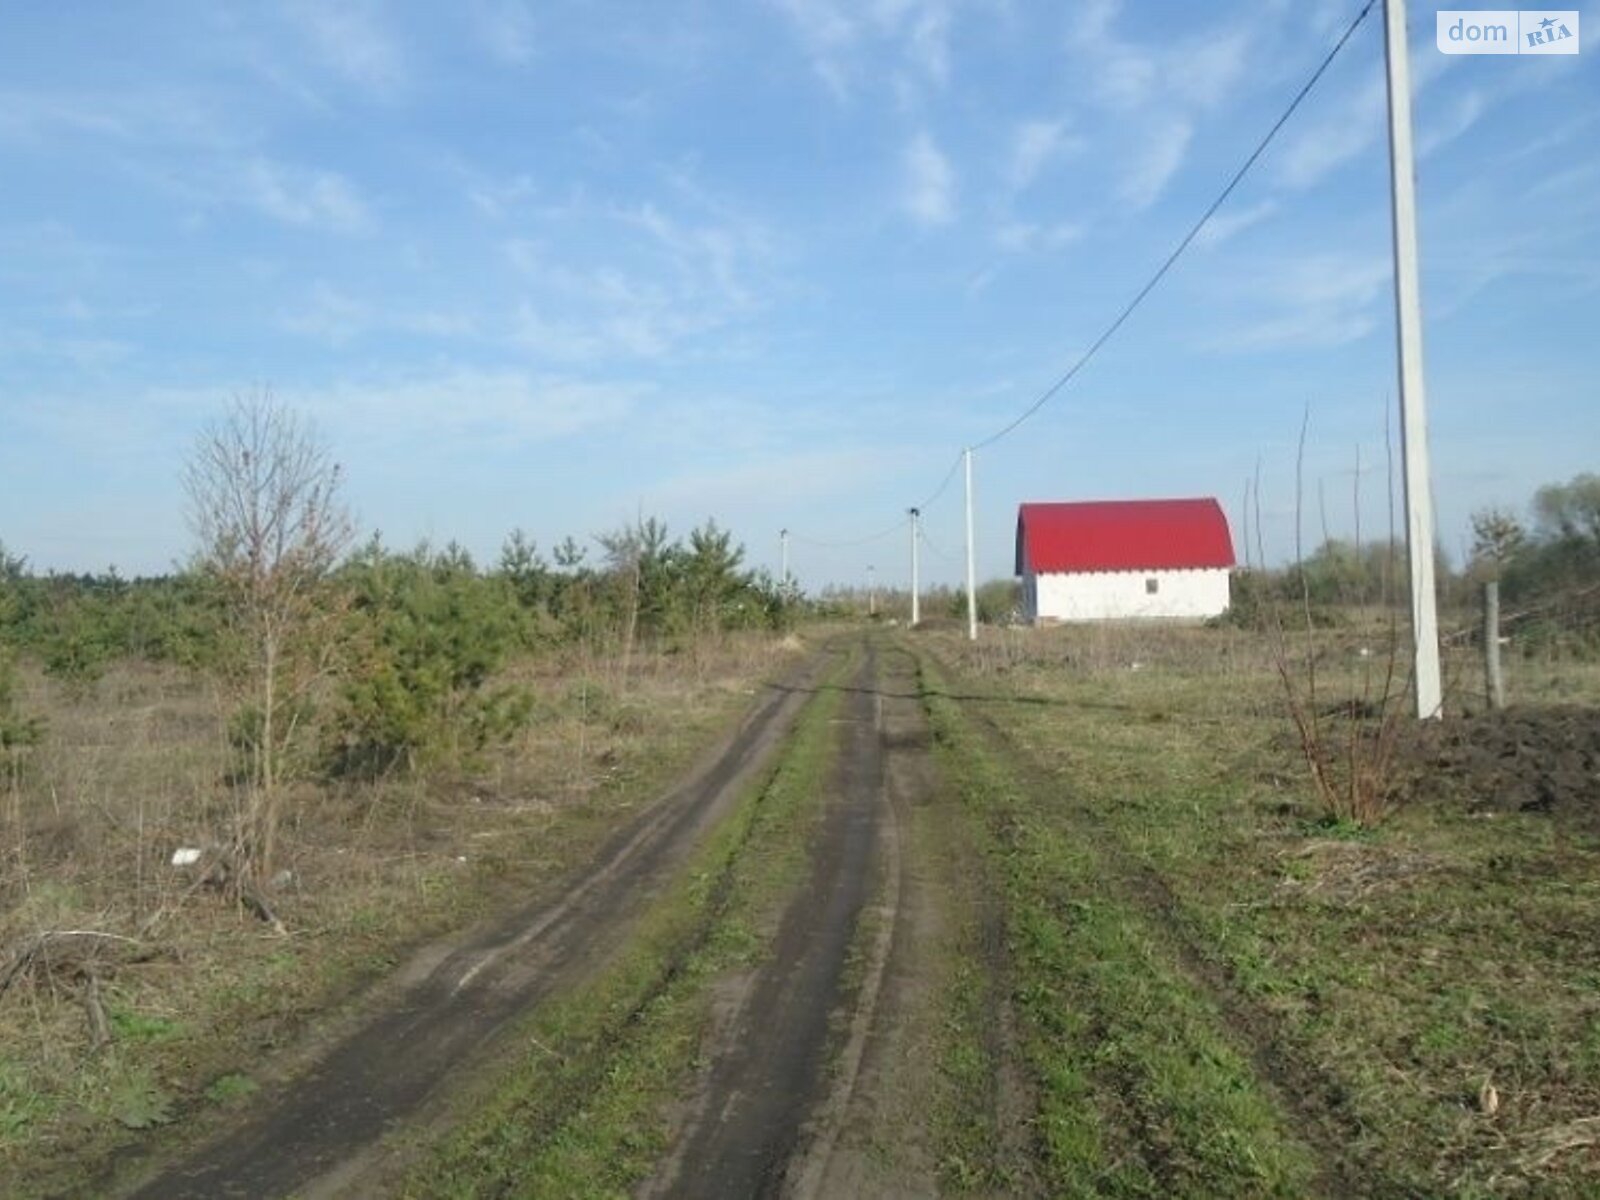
[(421, 635)]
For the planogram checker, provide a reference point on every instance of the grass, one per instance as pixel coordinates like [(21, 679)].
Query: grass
[(1141, 1089), (1183, 911), (586, 1109), (132, 768)]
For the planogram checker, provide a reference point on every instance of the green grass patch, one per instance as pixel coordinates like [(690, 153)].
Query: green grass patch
[(231, 1088), (1141, 1088), (1402, 967)]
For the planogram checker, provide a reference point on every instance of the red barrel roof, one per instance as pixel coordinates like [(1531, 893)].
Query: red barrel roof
[(1122, 535)]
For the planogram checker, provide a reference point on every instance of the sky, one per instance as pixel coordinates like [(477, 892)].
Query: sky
[(553, 265)]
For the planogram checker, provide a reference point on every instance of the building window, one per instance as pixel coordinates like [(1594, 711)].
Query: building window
[(1152, 586)]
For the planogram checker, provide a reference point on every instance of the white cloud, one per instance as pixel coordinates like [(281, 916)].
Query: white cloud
[(1033, 146), (151, 117), (329, 316), (350, 39), (828, 35), (1329, 143), (662, 278), (498, 199), (1317, 302), (846, 42), (1207, 71), (506, 29), (334, 317), (1468, 108), (929, 195), (929, 42), (469, 403), (296, 196), (631, 332), (1228, 223), (1018, 236), (1156, 159)]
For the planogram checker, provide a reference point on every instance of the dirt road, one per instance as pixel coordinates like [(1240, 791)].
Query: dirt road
[(815, 1055), (755, 1116), (316, 1136)]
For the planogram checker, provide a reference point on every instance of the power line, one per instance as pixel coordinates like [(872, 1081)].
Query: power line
[(943, 484), (1189, 237), (1138, 297), (932, 545), (844, 545)]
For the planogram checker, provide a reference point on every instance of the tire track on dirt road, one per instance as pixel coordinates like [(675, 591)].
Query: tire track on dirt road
[(776, 1092), (319, 1135)]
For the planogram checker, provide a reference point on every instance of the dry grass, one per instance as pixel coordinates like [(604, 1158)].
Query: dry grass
[(1438, 973), (191, 988)]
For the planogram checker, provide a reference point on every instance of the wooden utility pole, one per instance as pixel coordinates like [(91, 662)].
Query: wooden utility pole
[(1413, 404), (1494, 682)]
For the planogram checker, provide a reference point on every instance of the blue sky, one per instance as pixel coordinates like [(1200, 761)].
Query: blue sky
[(549, 265)]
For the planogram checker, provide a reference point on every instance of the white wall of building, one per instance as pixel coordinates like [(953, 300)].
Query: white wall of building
[(1118, 595)]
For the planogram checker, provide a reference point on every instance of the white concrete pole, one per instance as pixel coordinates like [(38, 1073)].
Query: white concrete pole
[(1413, 403), (972, 570), (916, 599), (783, 536), (872, 591)]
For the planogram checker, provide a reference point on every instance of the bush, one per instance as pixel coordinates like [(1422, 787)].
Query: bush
[(428, 633)]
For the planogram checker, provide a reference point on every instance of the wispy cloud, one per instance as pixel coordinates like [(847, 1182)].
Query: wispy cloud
[(506, 29), (630, 332), (1227, 224), (337, 318), (929, 182), (1465, 111), (846, 42), (150, 117), (306, 197), (1335, 139), (828, 35), (666, 278), (351, 39), (1033, 146), (467, 403), (929, 41), (1314, 303), (1017, 237), (1155, 161), (1127, 75)]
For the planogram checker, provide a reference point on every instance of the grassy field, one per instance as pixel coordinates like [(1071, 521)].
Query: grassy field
[(1221, 992), (196, 993)]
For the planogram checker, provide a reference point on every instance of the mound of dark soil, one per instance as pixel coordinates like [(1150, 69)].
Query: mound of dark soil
[(1526, 759)]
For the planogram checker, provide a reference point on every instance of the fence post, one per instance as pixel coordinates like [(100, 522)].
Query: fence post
[(1494, 681)]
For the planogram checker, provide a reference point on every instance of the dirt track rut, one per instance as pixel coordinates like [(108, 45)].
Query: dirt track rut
[(318, 1135), (766, 1099)]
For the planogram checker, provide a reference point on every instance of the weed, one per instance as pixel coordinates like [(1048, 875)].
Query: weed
[(231, 1088)]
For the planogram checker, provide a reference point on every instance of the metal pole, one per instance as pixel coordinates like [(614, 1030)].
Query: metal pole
[(916, 609), (783, 536), (1413, 404), (972, 570)]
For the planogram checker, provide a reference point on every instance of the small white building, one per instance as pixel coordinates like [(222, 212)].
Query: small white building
[(1123, 559)]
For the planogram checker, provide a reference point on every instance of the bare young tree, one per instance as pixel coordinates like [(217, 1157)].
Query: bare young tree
[(265, 507)]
